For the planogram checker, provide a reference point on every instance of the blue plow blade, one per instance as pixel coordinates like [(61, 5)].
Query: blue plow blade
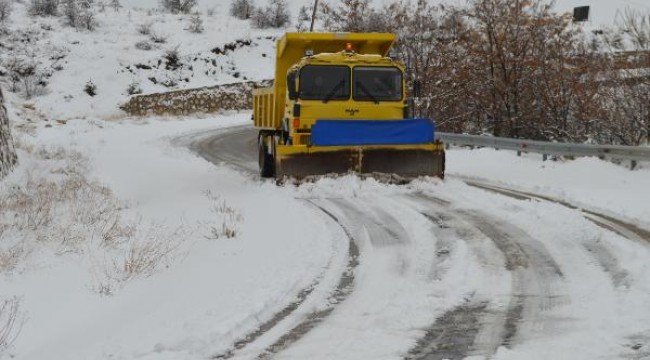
[(372, 132)]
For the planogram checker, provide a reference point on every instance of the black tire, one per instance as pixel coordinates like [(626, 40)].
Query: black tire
[(265, 160)]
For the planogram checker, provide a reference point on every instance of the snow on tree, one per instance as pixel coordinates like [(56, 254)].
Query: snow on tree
[(627, 98), (274, 15), (354, 16)]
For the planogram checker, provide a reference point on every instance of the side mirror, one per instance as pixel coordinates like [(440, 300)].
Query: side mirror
[(417, 88), (292, 87)]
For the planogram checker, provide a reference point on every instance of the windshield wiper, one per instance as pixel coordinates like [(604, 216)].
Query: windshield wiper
[(365, 90), (331, 94)]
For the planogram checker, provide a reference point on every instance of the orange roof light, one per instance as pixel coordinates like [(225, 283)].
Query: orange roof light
[(348, 47)]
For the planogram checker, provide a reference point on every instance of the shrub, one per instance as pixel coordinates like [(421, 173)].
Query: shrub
[(304, 19), (144, 45), (172, 59), (115, 4), (242, 9), (78, 14), (86, 20), (145, 255), (227, 219), (134, 88), (145, 29), (196, 24), (90, 88), (178, 6), (275, 15), (27, 74), (43, 7), (71, 12), (158, 38), (6, 6)]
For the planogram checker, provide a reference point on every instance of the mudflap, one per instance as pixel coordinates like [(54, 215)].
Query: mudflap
[(404, 161)]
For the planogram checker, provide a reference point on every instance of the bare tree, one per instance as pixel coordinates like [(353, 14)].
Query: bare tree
[(627, 95), (515, 68), (347, 15)]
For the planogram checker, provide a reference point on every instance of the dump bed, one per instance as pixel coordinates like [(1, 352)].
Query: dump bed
[(269, 103)]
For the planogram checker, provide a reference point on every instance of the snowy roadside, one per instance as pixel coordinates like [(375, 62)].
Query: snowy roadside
[(600, 185), (72, 303)]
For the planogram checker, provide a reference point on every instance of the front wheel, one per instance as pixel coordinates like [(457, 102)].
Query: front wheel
[(265, 157)]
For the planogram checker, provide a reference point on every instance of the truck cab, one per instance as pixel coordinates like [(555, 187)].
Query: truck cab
[(343, 85)]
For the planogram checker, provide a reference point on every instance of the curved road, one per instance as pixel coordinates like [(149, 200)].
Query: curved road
[(409, 252)]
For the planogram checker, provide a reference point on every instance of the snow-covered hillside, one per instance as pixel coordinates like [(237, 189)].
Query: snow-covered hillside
[(129, 48)]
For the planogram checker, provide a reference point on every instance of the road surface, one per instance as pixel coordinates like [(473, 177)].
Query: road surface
[(446, 276)]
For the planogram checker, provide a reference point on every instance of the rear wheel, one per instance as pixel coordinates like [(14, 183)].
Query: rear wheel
[(265, 157)]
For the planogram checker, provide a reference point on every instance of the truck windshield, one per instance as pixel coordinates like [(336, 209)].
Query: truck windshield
[(377, 83), (325, 83)]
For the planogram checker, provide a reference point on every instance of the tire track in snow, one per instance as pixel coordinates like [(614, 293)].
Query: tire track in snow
[(340, 293), (534, 272), (235, 147), (625, 229), (268, 325), (609, 263), (451, 336), (603, 256), (456, 334)]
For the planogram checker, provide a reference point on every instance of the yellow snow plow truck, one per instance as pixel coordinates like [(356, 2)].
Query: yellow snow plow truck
[(338, 104)]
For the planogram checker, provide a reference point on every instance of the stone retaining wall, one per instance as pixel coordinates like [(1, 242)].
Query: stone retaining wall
[(237, 96)]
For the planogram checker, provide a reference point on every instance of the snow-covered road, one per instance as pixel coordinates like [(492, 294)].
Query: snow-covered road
[(459, 269)]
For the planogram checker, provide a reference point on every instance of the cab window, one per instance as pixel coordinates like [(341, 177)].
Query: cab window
[(377, 83), (325, 83)]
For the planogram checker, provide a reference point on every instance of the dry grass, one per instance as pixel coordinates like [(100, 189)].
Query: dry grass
[(11, 256), (227, 219), (148, 253), (10, 322), (61, 209)]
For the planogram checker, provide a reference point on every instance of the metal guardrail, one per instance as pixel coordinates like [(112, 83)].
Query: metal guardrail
[(634, 153)]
